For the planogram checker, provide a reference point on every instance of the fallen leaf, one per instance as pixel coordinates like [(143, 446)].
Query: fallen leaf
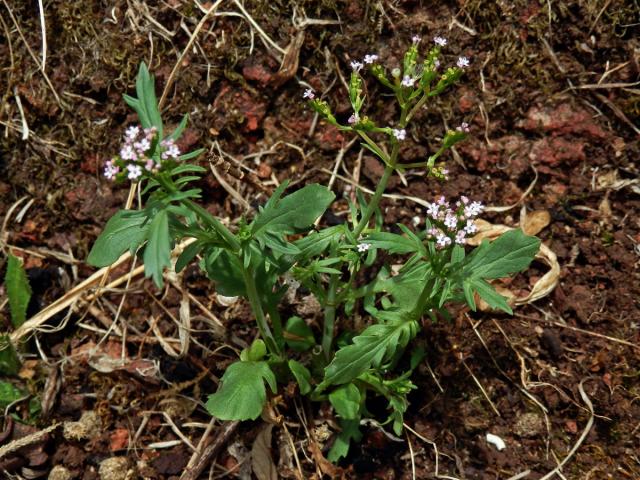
[(535, 222), (261, 460), (119, 439)]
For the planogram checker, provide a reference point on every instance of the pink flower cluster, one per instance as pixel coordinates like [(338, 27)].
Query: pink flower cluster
[(136, 154), (452, 224)]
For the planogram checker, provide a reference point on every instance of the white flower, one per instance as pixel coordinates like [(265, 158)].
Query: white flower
[(464, 127), (473, 210), (451, 221), (442, 240), (363, 247), (370, 58), (354, 118), (407, 81), (461, 237), (440, 41), (132, 132), (309, 93), (356, 66), (470, 227), (142, 146), (111, 170), (436, 64), (415, 39), (127, 153), (463, 62), (135, 171), (172, 149), (432, 210), (399, 134), (149, 164)]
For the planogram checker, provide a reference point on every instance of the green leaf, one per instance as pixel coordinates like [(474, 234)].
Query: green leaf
[(146, 91), (298, 335), (375, 345), (346, 400), (126, 230), (242, 392), (9, 361), (9, 393), (489, 295), (157, 253), (302, 376), (393, 243), (187, 255), (180, 128), (225, 269), (255, 352), (317, 242), (350, 431), (18, 290), (293, 213), (511, 252)]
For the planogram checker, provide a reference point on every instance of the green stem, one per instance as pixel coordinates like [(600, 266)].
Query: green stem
[(256, 306), (375, 200), (329, 316), (214, 223), (424, 297)]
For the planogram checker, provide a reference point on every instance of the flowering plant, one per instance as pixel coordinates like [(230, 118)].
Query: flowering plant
[(262, 260)]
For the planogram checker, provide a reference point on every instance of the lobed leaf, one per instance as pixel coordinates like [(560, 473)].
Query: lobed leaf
[(242, 393)]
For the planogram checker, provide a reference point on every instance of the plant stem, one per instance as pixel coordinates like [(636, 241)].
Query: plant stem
[(214, 223), (256, 306), (329, 316), (375, 200)]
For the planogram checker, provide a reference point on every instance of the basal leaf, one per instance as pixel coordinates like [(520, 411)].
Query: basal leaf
[(302, 376), (293, 213), (9, 393), (157, 253), (298, 335), (18, 290), (242, 393), (9, 361), (350, 431), (346, 401), (371, 348), (126, 230), (511, 252)]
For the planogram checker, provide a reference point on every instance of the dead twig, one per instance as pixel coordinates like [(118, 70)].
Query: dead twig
[(195, 468)]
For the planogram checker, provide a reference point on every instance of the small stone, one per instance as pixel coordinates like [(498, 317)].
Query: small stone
[(59, 473), (529, 425), (88, 426), (115, 468)]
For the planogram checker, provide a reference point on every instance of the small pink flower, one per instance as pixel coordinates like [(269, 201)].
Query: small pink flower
[(464, 127), (416, 39), (370, 58), (353, 119), (407, 81), (463, 62), (356, 66), (309, 93), (440, 41)]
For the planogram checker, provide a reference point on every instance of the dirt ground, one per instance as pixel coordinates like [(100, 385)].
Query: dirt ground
[(553, 101)]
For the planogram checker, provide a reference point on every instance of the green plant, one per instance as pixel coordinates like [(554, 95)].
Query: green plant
[(253, 260)]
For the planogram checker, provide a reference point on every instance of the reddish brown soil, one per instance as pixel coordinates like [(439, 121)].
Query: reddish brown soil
[(552, 91)]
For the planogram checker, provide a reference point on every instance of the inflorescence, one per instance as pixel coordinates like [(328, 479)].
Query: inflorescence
[(140, 152), (452, 224)]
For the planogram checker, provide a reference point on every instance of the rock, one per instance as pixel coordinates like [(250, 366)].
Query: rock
[(88, 426), (115, 468), (561, 120), (59, 473), (555, 151), (529, 425)]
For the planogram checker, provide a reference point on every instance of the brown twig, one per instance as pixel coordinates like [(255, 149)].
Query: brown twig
[(207, 455)]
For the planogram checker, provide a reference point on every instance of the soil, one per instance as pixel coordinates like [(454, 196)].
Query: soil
[(552, 98)]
